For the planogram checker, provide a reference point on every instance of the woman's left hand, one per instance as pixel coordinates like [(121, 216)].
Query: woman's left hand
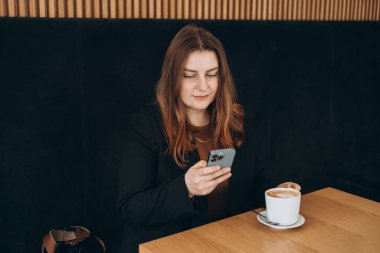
[(290, 185)]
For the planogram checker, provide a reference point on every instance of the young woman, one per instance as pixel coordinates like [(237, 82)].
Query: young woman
[(165, 185)]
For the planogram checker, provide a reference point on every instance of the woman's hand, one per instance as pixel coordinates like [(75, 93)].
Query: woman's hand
[(290, 185), (201, 180)]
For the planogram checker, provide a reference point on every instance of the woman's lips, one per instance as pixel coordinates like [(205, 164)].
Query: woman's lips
[(201, 97)]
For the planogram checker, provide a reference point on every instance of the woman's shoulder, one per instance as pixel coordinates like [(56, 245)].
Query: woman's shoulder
[(146, 123), (147, 114)]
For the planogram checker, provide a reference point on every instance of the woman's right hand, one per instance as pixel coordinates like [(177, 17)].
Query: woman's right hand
[(201, 180)]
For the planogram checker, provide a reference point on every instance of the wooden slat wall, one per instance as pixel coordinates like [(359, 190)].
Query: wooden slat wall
[(195, 9)]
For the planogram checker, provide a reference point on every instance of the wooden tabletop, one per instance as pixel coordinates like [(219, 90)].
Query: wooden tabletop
[(336, 221)]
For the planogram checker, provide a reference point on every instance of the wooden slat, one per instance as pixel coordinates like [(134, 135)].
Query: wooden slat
[(60, 8), (247, 9), (365, 10), (264, 8), (206, 9), (186, 9), (136, 8), (198, 9), (230, 10), (280, 7), (171, 9), (128, 8), (3, 9), (104, 13), (318, 10), (165, 9), (218, 9), (375, 2), (212, 10), (112, 9), (22, 8), (369, 10), (151, 9)]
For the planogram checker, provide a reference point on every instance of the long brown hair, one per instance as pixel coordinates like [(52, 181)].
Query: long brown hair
[(226, 116)]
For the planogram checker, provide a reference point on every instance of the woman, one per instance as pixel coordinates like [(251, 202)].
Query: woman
[(165, 185)]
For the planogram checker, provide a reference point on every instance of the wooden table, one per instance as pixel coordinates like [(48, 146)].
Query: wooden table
[(336, 221)]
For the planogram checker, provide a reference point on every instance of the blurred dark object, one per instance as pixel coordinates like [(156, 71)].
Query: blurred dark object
[(72, 239)]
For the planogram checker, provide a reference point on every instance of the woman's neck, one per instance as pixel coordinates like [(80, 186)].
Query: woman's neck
[(198, 118)]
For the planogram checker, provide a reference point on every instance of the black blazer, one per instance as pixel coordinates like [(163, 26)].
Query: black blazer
[(153, 197)]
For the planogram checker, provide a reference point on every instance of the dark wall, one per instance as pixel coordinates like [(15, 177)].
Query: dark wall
[(68, 87)]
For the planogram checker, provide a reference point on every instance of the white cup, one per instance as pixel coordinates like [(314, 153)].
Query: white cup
[(283, 205)]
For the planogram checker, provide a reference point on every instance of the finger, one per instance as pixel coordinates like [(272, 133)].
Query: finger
[(296, 186), (200, 164), (210, 170), (217, 174), (216, 181)]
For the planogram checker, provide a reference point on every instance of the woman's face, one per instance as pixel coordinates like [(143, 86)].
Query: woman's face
[(200, 80)]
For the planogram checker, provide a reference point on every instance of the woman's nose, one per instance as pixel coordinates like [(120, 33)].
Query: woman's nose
[(202, 85)]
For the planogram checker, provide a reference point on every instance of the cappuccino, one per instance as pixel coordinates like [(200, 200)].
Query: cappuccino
[(283, 205), (282, 194)]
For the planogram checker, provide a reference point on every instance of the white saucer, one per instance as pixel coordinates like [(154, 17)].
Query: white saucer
[(300, 222)]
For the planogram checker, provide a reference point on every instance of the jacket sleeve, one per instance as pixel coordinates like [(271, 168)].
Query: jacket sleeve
[(141, 200)]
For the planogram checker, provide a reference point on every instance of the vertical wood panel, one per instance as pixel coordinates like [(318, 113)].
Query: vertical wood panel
[(374, 10), (179, 10), (241, 14), (230, 9), (218, 6), (128, 8), (186, 9), (192, 9), (196, 9), (236, 9), (136, 9), (225, 9), (264, 8), (279, 11), (317, 9), (259, 10), (22, 7), (212, 9), (370, 8), (61, 10), (365, 9), (112, 9), (3, 8), (87, 8), (171, 9)]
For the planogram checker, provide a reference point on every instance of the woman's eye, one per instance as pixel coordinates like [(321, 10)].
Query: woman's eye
[(212, 75), (187, 76)]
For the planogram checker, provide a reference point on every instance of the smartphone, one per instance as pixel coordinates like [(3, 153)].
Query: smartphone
[(221, 157)]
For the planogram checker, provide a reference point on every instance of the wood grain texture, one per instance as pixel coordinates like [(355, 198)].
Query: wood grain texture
[(324, 10), (336, 221)]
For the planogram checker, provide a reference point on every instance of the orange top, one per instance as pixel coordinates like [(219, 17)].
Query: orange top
[(218, 198)]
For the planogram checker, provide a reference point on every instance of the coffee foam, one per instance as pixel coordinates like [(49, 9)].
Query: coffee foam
[(282, 194)]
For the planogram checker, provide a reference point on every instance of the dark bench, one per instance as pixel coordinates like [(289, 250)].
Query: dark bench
[(68, 88)]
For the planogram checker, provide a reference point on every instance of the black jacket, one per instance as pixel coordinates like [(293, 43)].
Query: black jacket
[(153, 198)]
